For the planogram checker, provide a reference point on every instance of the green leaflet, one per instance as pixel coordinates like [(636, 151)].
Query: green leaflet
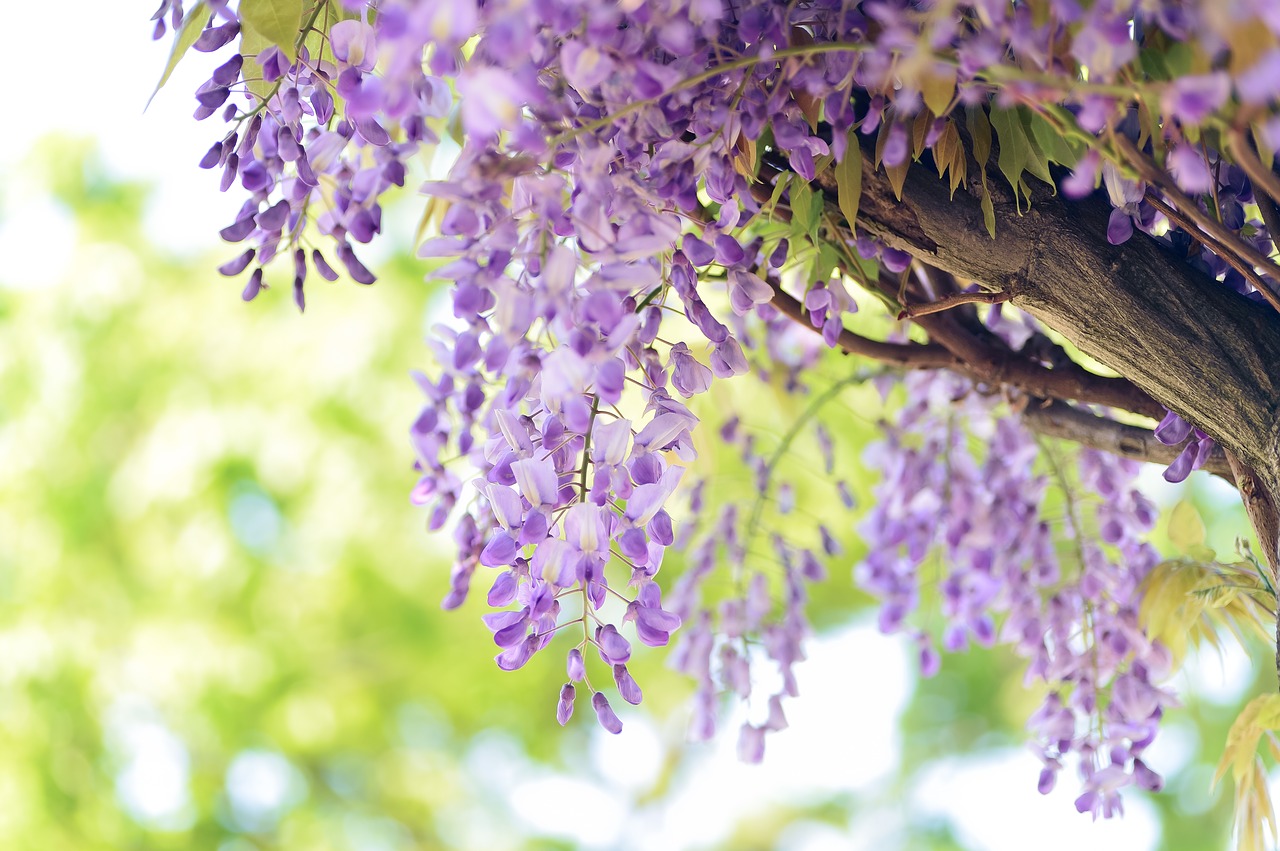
[(828, 262), (779, 186), (1015, 149), (1020, 152), (251, 44), (192, 24), (937, 88), (276, 21), (849, 180), (806, 206), (1056, 146), (1037, 161), (980, 132), (1260, 715), (988, 210)]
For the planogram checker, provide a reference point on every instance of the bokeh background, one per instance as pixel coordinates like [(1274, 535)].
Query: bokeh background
[(219, 614)]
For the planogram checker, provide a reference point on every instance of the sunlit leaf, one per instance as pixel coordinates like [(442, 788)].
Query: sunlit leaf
[(276, 21), (1186, 529), (849, 180), (192, 24)]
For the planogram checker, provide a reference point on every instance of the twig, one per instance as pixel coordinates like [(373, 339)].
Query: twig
[(1180, 209), (1266, 185), (1058, 419), (910, 355), (1000, 365), (1262, 177), (1226, 252), (946, 303)]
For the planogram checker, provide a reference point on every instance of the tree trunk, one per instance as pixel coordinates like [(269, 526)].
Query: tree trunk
[(1194, 345), (1199, 348)]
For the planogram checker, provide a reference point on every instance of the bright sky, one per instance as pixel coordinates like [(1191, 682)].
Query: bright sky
[(102, 95), (843, 735)]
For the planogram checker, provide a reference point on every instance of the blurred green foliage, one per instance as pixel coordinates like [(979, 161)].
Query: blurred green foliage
[(206, 531)]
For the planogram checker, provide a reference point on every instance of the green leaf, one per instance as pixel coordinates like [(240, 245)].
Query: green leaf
[(805, 207), (1186, 529), (849, 180), (192, 24), (897, 177), (1015, 149), (764, 143), (251, 44), (801, 195), (277, 21), (1054, 144), (937, 88), (1180, 60), (779, 186), (980, 132), (1151, 60), (988, 210), (828, 261)]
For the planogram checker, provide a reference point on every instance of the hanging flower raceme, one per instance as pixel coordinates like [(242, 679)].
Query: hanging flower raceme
[(637, 185)]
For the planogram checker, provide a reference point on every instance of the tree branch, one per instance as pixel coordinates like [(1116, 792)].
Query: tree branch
[(1058, 419), (999, 365), (911, 311), (909, 355), (1187, 214), (1263, 178), (1185, 339)]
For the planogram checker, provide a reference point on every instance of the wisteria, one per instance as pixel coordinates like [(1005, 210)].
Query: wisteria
[(653, 198), (1068, 602)]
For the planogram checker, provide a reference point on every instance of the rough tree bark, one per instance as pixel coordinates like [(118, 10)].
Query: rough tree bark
[(1195, 346), (1192, 344)]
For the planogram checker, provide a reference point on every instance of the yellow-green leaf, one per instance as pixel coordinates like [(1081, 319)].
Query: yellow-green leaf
[(849, 180), (988, 209), (192, 24), (920, 132), (937, 88), (980, 132), (745, 159), (1264, 150), (897, 177), (251, 44), (277, 21), (882, 138), (1260, 714), (1170, 611), (806, 208), (1186, 529), (1201, 553), (1015, 149), (944, 148)]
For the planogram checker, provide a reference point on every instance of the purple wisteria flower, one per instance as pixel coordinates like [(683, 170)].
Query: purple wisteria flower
[(610, 260)]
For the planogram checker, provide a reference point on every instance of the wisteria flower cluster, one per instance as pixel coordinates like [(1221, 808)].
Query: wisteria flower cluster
[(654, 197), (1073, 615)]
